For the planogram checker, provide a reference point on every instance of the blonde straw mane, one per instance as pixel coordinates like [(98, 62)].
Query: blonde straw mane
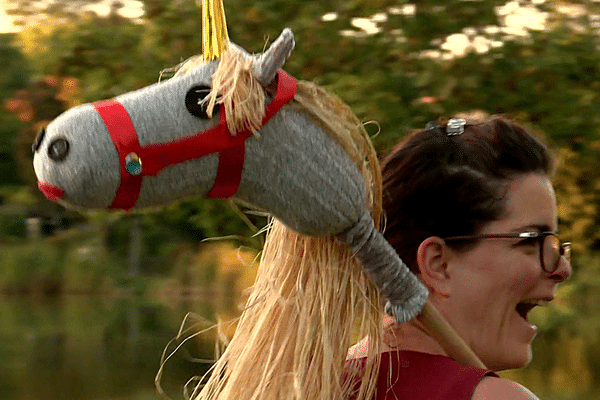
[(311, 300), (233, 83)]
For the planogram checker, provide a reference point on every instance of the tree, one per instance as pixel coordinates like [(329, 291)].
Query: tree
[(14, 77), (35, 106), (392, 63)]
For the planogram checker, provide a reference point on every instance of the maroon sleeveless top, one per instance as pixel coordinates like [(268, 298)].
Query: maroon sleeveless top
[(410, 375)]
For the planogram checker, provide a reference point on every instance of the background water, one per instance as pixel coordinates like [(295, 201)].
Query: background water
[(93, 348), (81, 347)]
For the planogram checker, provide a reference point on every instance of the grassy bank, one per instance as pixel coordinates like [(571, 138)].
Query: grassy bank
[(79, 261), (50, 267)]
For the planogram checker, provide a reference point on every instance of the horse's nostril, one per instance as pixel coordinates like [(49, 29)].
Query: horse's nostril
[(58, 149), (38, 140)]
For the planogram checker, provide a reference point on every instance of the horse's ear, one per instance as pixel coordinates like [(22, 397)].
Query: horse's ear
[(273, 59)]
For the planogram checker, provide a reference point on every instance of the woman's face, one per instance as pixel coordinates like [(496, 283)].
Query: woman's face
[(495, 284)]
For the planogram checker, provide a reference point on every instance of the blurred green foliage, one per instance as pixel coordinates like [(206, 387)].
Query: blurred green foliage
[(548, 79), (401, 76), (73, 262), (15, 76)]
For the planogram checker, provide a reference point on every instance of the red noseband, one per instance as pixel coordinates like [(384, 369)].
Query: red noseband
[(138, 161)]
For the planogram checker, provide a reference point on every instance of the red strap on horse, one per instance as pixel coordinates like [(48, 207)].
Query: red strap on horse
[(154, 157), (123, 135)]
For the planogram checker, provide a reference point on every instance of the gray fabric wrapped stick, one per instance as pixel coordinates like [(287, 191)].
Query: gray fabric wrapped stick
[(406, 295)]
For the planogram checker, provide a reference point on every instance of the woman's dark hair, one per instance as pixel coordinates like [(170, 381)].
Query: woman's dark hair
[(440, 185)]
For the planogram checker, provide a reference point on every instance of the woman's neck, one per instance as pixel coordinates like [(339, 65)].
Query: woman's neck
[(409, 336)]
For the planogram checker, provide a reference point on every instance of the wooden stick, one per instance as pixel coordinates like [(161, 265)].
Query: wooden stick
[(442, 332)]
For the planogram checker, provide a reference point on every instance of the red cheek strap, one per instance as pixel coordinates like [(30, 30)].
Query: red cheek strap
[(123, 135), (156, 156)]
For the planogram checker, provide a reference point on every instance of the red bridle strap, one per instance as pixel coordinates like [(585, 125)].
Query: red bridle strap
[(123, 135), (157, 156)]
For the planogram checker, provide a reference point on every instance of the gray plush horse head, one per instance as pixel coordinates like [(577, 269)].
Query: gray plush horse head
[(160, 139), (158, 145)]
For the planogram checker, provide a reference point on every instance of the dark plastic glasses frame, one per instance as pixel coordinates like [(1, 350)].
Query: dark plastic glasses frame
[(558, 249)]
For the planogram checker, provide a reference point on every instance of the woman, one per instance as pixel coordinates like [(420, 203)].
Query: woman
[(471, 210)]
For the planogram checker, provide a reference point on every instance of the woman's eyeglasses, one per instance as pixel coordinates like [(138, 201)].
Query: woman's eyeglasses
[(551, 249)]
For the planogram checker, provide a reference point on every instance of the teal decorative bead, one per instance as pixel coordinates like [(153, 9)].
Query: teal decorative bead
[(133, 164)]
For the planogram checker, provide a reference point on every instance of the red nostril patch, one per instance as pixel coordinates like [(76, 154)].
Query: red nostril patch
[(51, 192)]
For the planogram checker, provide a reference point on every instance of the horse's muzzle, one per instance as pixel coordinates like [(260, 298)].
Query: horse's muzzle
[(51, 192)]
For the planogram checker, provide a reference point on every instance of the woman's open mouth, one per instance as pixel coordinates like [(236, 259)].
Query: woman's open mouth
[(526, 306)]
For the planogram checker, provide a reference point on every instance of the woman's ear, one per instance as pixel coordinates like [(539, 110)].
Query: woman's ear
[(432, 259)]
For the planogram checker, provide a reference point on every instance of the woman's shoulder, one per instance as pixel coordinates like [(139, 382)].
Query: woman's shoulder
[(493, 388)]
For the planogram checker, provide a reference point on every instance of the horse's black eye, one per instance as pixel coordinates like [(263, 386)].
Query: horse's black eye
[(58, 149), (38, 140), (194, 103)]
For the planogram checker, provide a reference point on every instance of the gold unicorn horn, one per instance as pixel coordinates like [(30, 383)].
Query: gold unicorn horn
[(215, 39)]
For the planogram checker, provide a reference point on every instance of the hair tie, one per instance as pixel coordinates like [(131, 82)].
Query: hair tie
[(455, 126)]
